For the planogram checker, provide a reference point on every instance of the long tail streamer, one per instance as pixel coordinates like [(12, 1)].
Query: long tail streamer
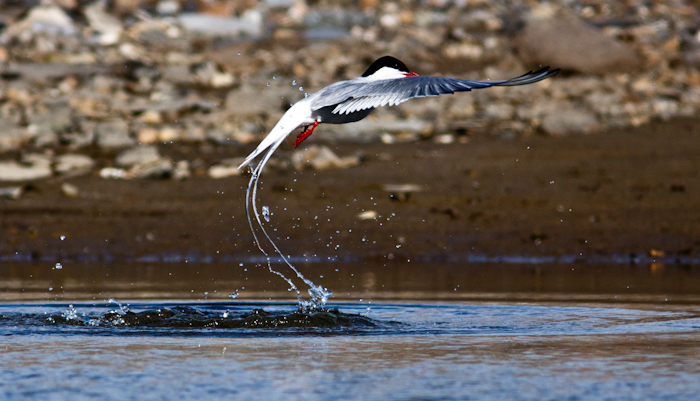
[(319, 294)]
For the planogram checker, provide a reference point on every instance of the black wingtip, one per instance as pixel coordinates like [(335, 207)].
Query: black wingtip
[(531, 77)]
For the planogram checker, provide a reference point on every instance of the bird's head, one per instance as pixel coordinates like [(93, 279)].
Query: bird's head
[(388, 67)]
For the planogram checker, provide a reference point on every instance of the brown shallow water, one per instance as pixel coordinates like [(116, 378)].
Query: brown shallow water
[(353, 281)]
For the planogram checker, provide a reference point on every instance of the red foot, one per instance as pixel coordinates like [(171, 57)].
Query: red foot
[(305, 134)]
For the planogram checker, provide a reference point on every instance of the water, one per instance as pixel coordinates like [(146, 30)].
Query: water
[(448, 331), (393, 352), (266, 213)]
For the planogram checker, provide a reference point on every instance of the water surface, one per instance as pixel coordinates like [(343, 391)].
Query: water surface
[(385, 352), (392, 331)]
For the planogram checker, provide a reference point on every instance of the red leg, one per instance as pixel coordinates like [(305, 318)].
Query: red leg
[(305, 134)]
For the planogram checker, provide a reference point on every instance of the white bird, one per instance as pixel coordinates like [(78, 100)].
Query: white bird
[(386, 82)]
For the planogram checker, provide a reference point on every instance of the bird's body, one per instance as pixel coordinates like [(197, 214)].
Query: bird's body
[(386, 82)]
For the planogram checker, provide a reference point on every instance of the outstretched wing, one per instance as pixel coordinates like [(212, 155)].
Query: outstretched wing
[(356, 95)]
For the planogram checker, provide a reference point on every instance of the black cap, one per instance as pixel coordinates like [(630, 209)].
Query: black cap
[(386, 61)]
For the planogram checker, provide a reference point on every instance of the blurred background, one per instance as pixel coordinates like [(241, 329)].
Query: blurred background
[(122, 123), (100, 76)]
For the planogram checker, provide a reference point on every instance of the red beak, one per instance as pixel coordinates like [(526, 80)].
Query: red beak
[(410, 74)]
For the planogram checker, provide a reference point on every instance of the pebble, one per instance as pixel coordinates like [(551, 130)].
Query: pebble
[(250, 24), (138, 155), (182, 170), (321, 158), (13, 137), (70, 190), (113, 173), (113, 134), (11, 171), (13, 193), (566, 121), (156, 169), (218, 171), (72, 163)]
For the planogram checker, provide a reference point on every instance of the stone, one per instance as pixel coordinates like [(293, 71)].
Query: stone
[(113, 135), (151, 117), (107, 27), (218, 171), (11, 171), (37, 159), (80, 139), (54, 119), (138, 155), (208, 74), (44, 18), (42, 72), (123, 7), (368, 215), (114, 173), (167, 7), (12, 137), (73, 163), (401, 192), (565, 121), (664, 108), (321, 158), (11, 192), (444, 139), (157, 169), (368, 130), (250, 24), (46, 126), (182, 170), (147, 135), (177, 74), (570, 44), (480, 21), (250, 101), (70, 190)]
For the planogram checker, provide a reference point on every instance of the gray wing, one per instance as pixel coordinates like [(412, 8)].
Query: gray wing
[(355, 95)]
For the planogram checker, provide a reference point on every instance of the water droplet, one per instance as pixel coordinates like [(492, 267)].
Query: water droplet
[(50, 288), (294, 83), (274, 78), (301, 89), (239, 53), (63, 237), (266, 213), (59, 266), (268, 84), (233, 295)]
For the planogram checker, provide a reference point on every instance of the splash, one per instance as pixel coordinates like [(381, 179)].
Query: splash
[(319, 294)]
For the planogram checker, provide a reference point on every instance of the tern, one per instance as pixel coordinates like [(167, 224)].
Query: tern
[(386, 82)]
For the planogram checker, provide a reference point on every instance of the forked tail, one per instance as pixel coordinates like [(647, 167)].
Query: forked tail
[(274, 139)]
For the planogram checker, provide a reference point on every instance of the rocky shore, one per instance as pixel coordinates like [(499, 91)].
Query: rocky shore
[(120, 100), (91, 87)]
